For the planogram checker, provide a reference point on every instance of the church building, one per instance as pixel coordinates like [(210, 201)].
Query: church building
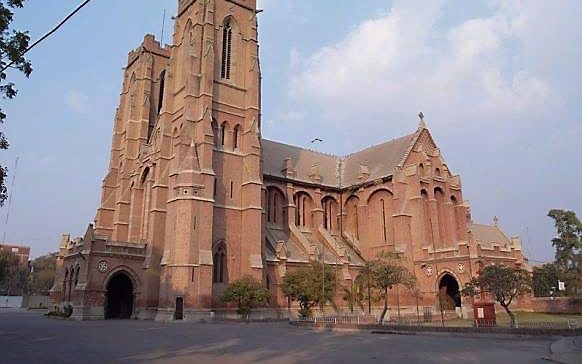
[(195, 198)]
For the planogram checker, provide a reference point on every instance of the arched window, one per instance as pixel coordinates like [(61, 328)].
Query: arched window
[(220, 272), (226, 50), (302, 209), (384, 219), (276, 202), (441, 215), (269, 207), (268, 283), (162, 90), (437, 172), (352, 223), (454, 227), (65, 284), (329, 211), (77, 275), (380, 211), (275, 207), (70, 283), (235, 137), (427, 217), (421, 170), (215, 132), (133, 97), (223, 131), (144, 175)]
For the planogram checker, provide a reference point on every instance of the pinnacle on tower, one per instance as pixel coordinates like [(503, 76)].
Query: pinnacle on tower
[(421, 124)]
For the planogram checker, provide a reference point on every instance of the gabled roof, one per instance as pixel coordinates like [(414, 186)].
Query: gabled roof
[(379, 161), (302, 160), (489, 235)]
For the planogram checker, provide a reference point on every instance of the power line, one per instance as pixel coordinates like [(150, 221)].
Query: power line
[(57, 27), (163, 28), (10, 200)]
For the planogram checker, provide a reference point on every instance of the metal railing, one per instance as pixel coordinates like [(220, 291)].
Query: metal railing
[(358, 320)]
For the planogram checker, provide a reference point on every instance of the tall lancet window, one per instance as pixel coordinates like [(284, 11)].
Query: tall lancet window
[(226, 50)]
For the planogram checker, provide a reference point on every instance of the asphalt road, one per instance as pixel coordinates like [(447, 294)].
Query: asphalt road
[(31, 338)]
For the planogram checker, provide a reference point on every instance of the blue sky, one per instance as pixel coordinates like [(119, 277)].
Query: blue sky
[(498, 80)]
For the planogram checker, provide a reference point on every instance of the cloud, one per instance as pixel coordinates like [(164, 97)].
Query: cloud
[(500, 85), (77, 102), (404, 61)]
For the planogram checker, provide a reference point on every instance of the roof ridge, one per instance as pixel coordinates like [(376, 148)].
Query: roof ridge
[(378, 145), (346, 156), (303, 148)]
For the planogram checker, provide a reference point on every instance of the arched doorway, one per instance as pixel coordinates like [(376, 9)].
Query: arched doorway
[(449, 293), (119, 302)]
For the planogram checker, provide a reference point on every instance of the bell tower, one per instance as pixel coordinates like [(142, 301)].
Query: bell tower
[(213, 225)]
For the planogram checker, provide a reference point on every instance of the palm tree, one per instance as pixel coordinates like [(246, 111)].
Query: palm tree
[(366, 279), (352, 294), (390, 272)]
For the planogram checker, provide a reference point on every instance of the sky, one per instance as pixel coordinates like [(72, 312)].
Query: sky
[(498, 80)]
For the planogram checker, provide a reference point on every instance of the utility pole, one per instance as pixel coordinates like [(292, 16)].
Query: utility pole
[(163, 29), (322, 279)]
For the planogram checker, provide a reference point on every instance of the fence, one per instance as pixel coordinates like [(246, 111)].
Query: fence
[(10, 301), (366, 320)]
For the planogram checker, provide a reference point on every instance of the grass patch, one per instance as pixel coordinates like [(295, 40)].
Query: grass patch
[(523, 318), (526, 317)]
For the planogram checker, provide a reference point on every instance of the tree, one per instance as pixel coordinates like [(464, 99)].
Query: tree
[(43, 274), (6, 259), (366, 279), (13, 43), (13, 274), (353, 295), (545, 280), (389, 272), (310, 286), (568, 244), (247, 293), (504, 284)]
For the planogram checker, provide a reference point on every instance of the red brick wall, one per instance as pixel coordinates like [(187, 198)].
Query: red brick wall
[(558, 305)]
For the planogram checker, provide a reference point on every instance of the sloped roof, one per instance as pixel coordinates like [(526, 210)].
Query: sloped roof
[(335, 171), (380, 159), (489, 235), (302, 160)]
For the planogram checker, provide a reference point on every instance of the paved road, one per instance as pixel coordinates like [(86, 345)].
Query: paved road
[(31, 338)]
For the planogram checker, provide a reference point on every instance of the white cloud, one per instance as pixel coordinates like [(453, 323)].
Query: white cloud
[(77, 101), (403, 61)]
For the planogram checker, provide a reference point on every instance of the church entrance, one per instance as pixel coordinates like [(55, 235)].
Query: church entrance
[(449, 293), (119, 303), (179, 313)]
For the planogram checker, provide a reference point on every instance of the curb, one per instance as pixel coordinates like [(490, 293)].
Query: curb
[(474, 335), (565, 351), (478, 332)]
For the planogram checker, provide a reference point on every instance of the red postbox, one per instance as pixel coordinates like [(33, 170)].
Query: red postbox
[(484, 314)]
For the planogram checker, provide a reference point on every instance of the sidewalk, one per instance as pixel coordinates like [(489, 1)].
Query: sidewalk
[(566, 351)]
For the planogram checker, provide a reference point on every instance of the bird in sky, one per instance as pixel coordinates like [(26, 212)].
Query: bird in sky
[(317, 140)]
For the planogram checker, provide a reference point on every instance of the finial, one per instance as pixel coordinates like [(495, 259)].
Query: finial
[(496, 221), (422, 124)]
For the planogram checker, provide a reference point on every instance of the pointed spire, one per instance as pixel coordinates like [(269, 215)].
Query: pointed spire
[(422, 124)]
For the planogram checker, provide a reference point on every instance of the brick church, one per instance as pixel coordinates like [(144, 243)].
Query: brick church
[(195, 198)]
